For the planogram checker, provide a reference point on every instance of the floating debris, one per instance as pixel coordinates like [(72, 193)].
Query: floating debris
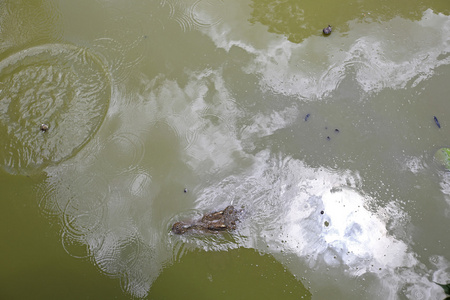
[(437, 122), (44, 127), (307, 117), (327, 30)]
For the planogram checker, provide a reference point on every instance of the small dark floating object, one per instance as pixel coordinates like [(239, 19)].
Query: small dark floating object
[(336, 130), (185, 190), (321, 212), (328, 138), (307, 117), (437, 122), (327, 30), (44, 127)]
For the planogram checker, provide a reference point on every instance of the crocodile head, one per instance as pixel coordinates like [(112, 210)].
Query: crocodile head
[(181, 227)]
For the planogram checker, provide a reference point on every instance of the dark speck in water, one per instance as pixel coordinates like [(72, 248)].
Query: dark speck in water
[(328, 138), (185, 190), (327, 30), (44, 127), (336, 130), (307, 117), (437, 122), (321, 212)]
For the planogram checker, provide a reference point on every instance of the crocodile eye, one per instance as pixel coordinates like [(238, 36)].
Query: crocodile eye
[(179, 228)]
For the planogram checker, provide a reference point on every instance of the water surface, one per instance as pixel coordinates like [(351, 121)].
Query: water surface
[(325, 142)]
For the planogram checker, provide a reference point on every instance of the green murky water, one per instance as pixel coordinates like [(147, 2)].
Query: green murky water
[(327, 143)]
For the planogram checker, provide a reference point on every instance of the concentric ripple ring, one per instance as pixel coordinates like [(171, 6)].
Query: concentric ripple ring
[(62, 86)]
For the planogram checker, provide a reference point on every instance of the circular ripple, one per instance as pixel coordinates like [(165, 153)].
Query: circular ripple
[(60, 85), (196, 14), (75, 246), (123, 151)]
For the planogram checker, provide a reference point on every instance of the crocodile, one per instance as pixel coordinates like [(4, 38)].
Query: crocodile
[(211, 223)]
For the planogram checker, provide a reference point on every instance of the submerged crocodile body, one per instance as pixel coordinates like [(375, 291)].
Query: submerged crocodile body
[(213, 223)]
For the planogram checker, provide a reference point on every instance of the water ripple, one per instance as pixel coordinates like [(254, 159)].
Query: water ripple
[(195, 14), (25, 22), (121, 57), (119, 251), (139, 185), (125, 151), (60, 85), (75, 246), (83, 223)]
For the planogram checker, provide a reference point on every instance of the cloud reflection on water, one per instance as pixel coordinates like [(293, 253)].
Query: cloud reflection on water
[(378, 54), (115, 215), (199, 133)]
